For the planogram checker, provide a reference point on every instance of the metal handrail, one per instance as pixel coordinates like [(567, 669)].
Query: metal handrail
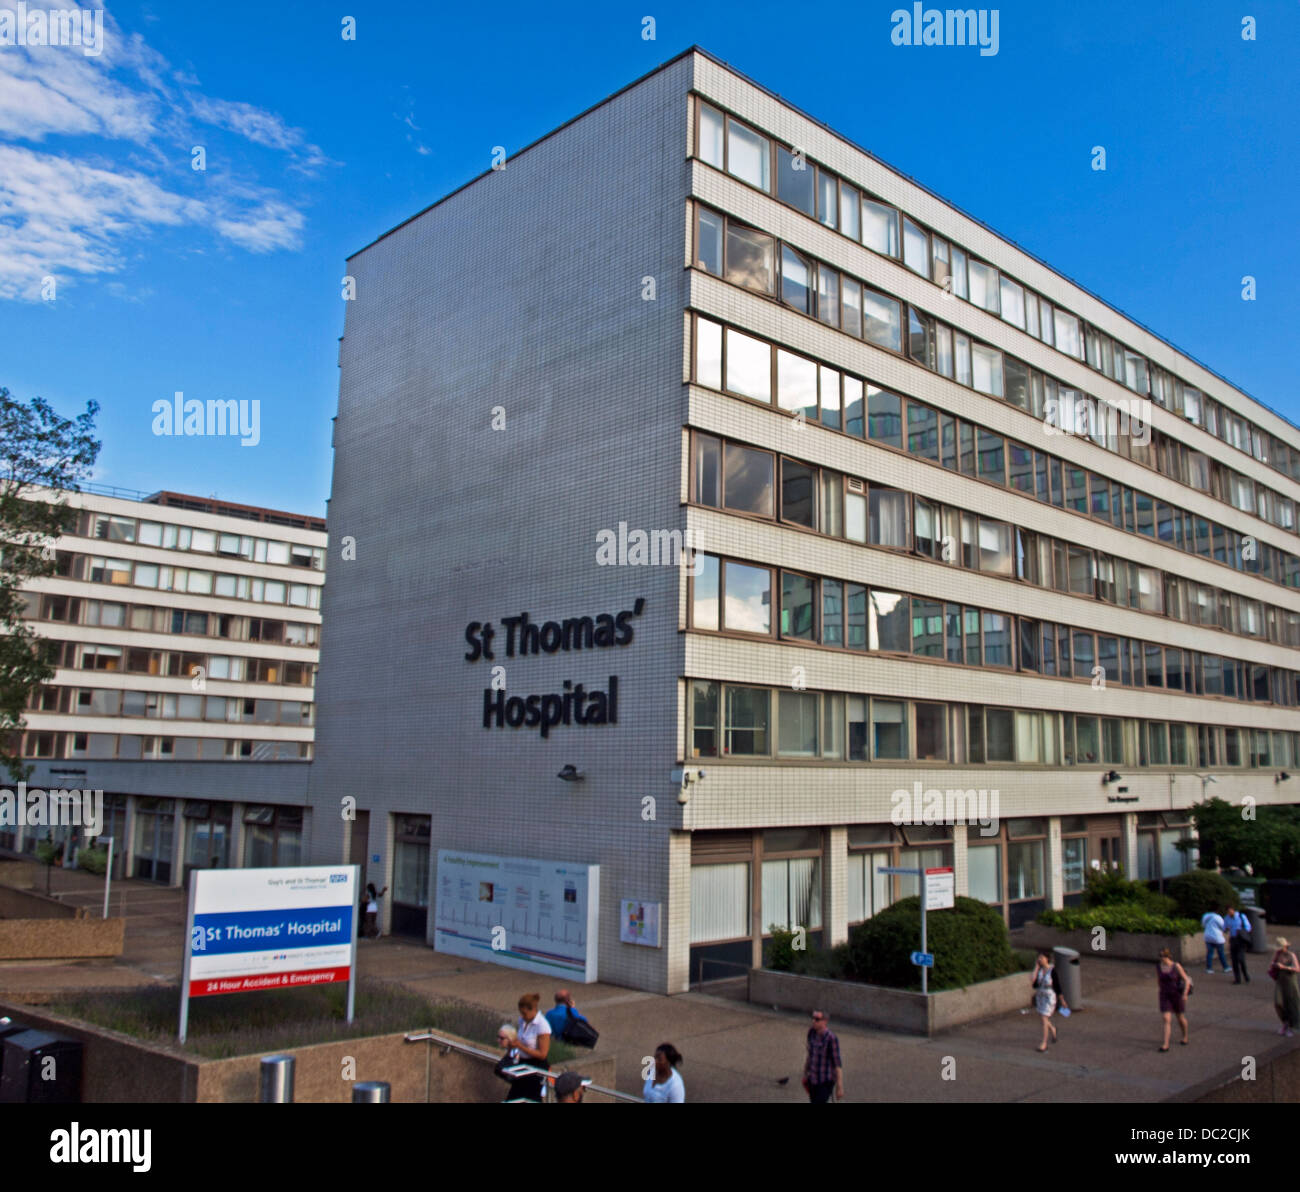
[(480, 1053)]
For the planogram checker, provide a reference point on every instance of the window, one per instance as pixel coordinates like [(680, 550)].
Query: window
[(880, 227), (747, 721), (927, 628), (984, 285), (916, 248), (827, 199), (890, 622), (991, 462), (796, 384), (984, 872), (828, 296), (999, 742), (1013, 303), (922, 431), (997, 639), (794, 181), (882, 321), (709, 242), (931, 731), (961, 347), (704, 719), (920, 337), (1024, 869), (986, 370), (832, 612), (747, 603), (748, 482), (849, 211), (748, 156), (711, 133), (884, 417), (704, 608), (719, 902), (959, 286), (1067, 334), (792, 893), (797, 596), (888, 518), (996, 553), (751, 258), (708, 353), (1016, 384), (851, 294), (798, 493), (797, 724), (796, 280), (888, 729)]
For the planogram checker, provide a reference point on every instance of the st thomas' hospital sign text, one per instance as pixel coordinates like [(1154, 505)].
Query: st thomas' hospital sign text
[(523, 637)]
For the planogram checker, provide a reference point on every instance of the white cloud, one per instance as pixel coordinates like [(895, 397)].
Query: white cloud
[(67, 213)]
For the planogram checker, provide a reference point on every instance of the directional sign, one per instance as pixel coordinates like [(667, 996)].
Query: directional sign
[(895, 869), (939, 889), (923, 959)]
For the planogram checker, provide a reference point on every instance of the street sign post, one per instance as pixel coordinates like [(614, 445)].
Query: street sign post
[(926, 959)]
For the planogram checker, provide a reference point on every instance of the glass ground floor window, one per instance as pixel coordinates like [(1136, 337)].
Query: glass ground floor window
[(155, 821), (410, 874), (208, 828), (719, 902), (272, 836)]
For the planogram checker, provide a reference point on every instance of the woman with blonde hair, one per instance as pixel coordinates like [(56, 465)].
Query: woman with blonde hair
[(1174, 985), (1286, 991), (532, 1045)]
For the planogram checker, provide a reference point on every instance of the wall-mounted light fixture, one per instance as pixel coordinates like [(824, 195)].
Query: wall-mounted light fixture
[(1109, 777), (571, 774)]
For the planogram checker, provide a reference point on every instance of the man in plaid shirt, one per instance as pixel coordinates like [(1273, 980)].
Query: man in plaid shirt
[(823, 1071)]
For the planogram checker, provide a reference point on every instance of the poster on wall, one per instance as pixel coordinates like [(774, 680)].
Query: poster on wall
[(528, 914), (638, 922), (258, 929)]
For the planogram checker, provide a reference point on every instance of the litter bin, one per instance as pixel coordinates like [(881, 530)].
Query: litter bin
[(1258, 929), (1248, 889), (40, 1069), (370, 1092), (1066, 961)]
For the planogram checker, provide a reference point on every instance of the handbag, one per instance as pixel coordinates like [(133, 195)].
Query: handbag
[(1273, 971), (506, 1061)]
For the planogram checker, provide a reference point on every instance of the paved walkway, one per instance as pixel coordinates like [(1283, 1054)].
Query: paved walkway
[(738, 1052)]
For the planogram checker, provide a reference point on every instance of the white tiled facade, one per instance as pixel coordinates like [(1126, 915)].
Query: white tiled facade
[(516, 376)]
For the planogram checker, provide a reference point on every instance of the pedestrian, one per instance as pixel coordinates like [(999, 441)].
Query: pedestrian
[(823, 1073), (1175, 986), (1286, 991), (1212, 923), (664, 1085), (533, 1045), (1047, 994), (569, 1088), (372, 910), (1237, 925)]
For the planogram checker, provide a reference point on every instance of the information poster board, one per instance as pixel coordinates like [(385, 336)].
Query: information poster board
[(536, 915), (638, 922), (257, 929)]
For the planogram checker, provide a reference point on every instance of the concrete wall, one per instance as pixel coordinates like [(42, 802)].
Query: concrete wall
[(119, 1069), (49, 939), (31, 904), (1120, 945), (1277, 1080), (20, 875), (890, 1009)]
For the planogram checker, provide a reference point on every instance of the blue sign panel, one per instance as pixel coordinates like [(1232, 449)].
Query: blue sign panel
[(923, 959)]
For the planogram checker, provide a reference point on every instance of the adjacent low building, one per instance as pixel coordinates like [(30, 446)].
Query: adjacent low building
[(185, 632)]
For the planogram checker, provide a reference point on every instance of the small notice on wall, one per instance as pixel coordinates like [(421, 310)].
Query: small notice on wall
[(639, 922)]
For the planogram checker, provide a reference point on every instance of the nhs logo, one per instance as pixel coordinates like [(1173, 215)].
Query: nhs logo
[(335, 878)]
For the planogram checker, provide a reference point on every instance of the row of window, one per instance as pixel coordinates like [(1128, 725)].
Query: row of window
[(726, 144), (727, 720), (102, 570), (176, 664), (169, 536), (727, 595), (750, 258), (73, 610), (751, 480), (126, 747), (748, 366), (109, 701)]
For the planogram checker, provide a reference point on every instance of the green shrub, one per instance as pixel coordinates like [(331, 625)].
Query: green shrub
[(47, 852), (93, 860), (780, 955), (833, 964), (1109, 887), (1200, 891), (1120, 917), (969, 944)]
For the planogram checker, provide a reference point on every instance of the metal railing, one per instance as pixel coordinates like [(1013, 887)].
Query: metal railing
[(522, 1069)]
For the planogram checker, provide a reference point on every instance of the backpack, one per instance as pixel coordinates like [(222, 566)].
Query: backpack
[(579, 1031)]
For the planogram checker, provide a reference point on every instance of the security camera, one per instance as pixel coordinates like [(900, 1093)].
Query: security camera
[(684, 777)]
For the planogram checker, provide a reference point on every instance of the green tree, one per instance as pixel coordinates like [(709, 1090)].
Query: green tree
[(1268, 841), (42, 456)]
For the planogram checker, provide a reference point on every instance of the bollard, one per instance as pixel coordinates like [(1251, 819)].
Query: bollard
[(276, 1080), (366, 1092)]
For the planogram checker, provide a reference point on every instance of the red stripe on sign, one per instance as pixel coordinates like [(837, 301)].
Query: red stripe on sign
[(209, 986)]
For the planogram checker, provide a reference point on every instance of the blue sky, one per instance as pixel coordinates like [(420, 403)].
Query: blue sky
[(225, 283)]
